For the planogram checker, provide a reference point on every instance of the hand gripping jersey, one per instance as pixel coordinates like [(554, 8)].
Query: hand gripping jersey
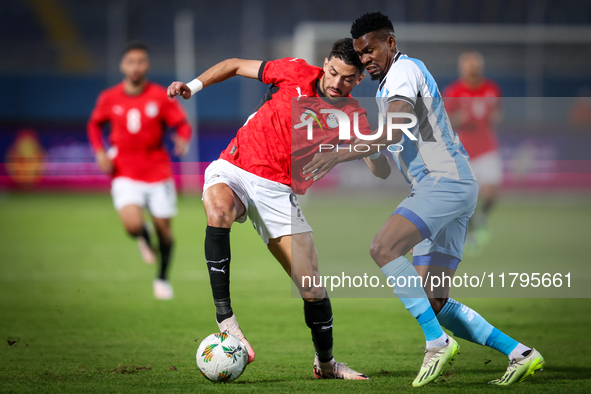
[(267, 145), (438, 150), (480, 103), (137, 130)]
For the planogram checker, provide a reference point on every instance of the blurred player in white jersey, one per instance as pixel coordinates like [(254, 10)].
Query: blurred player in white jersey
[(433, 219), (473, 104)]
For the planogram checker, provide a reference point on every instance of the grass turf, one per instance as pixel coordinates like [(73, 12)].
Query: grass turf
[(77, 312)]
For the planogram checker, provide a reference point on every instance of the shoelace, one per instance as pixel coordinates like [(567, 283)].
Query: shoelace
[(431, 358), (512, 364)]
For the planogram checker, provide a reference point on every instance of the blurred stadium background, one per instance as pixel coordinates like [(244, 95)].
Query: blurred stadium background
[(53, 69)]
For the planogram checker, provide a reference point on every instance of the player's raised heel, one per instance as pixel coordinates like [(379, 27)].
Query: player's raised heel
[(520, 369), (146, 251), (435, 360), (334, 370), (231, 326)]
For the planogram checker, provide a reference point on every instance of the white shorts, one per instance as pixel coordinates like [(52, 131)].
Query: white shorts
[(158, 197), (488, 168), (272, 207)]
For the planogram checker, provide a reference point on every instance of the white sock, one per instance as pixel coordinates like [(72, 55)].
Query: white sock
[(517, 353), (439, 342)]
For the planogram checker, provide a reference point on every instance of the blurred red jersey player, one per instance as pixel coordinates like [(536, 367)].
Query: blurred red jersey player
[(473, 104), (138, 112)]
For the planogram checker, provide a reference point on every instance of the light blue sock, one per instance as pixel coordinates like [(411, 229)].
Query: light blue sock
[(414, 298), (501, 342), (467, 324)]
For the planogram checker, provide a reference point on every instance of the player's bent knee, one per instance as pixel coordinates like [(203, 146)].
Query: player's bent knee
[(134, 229), (220, 216), (437, 304), (382, 254), (313, 294)]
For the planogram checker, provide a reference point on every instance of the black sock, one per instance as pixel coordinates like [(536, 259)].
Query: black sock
[(217, 255), (146, 235), (165, 252), (318, 316), (487, 206)]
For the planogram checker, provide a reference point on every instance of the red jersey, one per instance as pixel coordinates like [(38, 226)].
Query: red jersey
[(480, 103), (267, 145), (137, 130)]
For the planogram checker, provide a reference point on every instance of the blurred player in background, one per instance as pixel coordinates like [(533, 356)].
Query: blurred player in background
[(138, 112), (433, 219), (473, 104), (258, 176)]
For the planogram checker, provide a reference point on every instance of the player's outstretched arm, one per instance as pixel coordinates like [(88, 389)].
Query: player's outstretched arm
[(379, 166), (218, 73)]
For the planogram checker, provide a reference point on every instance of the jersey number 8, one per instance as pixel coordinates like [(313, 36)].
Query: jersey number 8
[(134, 120)]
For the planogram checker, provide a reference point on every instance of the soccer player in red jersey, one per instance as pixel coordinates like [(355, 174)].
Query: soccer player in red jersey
[(259, 174), (138, 111), (473, 104)]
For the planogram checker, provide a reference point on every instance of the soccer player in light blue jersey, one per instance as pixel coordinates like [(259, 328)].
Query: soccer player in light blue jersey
[(433, 219)]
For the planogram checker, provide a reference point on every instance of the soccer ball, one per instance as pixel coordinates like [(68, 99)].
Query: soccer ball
[(221, 357)]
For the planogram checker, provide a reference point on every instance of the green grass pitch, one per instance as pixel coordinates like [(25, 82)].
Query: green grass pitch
[(77, 312)]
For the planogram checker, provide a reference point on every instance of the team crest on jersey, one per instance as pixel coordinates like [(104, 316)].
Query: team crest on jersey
[(152, 109), (332, 121), (117, 109)]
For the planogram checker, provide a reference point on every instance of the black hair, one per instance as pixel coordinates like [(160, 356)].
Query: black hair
[(371, 22), (343, 49), (135, 45)]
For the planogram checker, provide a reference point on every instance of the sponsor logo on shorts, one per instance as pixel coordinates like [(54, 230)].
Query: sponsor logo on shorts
[(211, 178)]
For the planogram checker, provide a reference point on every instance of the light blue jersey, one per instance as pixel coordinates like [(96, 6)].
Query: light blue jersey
[(438, 150)]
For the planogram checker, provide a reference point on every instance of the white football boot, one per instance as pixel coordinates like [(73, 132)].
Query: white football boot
[(334, 370), (231, 326), (163, 290)]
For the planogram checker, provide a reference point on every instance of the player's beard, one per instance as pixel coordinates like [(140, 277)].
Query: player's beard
[(324, 89), (138, 81)]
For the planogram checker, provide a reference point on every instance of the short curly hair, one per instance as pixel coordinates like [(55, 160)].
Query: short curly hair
[(343, 49), (370, 22)]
